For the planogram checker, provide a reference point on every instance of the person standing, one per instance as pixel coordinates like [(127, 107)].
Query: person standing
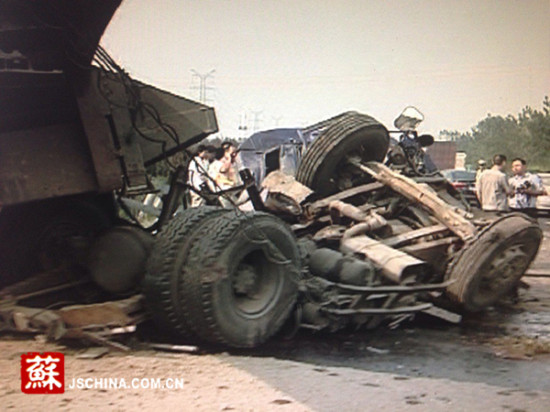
[(198, 168), (481, 167), (492, 188), (525, 188), (224, 173)]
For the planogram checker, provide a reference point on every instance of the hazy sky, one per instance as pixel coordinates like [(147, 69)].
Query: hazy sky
[(295, 62)]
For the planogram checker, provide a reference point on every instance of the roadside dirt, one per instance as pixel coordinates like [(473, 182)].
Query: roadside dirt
[(209, 383)]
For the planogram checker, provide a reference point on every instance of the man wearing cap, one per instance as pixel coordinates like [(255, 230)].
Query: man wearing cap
[(481, 167)]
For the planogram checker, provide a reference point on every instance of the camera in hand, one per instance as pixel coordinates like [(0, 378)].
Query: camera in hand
[(523, 187)]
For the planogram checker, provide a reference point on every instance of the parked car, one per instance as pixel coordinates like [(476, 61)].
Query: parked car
[(465, 182)]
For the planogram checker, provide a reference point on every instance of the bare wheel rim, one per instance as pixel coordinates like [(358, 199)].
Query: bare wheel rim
[(502, 271)]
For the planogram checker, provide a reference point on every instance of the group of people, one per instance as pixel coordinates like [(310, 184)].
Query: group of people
[(212, 169), (499, 193)]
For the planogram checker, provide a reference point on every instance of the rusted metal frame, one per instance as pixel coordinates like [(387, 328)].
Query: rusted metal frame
[(378, 311), (421, 215), (70, 322), (48, 290), (252, 190), (395, 265), (33, 320), (105, 156), (451, 217), (348, 210), (320, 204), (433, 244), (178, 184), (101, 340), (429, 179), (402, 289), (414, 235), (136, 205), (40, 284), (105, 314)]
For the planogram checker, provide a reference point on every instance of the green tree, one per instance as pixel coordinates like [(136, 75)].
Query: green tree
[(526, 136)]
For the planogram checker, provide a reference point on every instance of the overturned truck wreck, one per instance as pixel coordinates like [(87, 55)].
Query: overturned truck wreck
[(363, 233)]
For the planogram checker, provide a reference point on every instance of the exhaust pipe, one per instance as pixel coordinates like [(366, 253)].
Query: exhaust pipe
[(395, 265)]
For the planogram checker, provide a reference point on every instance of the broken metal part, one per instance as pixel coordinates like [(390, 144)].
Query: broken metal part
[(334, 305), (252, 189), (113, 313), (336, 267), (426, 248), (99, 339), (312, 318), (280, 203), (395, 265), (285, 194), (378, 311), (41, 284), (93, 322), (321, 204), (137, 206), (345, 209), (174, 348), (453, 218), (47, 291), (332, 232), (279, 182), (34, 320), (384, 289), (399, 240), (372, 223), (178, 185), (443, 314)]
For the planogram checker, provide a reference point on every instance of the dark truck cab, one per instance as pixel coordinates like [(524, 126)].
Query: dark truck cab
[(73, 133)]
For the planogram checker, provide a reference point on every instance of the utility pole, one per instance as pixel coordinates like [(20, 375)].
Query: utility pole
[(257, 120), (276, 120), (243, 124), (202, 83)]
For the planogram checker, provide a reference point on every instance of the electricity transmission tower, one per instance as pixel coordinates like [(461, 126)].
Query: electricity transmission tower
[(256, 122), (202, 83)]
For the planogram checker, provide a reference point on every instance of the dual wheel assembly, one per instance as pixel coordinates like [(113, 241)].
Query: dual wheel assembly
[(223, 277)]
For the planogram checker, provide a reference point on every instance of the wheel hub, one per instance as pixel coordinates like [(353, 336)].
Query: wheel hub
[(504, 268), (245, 280)]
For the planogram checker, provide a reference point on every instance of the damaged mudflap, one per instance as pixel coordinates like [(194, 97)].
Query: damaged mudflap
[(98, 323)]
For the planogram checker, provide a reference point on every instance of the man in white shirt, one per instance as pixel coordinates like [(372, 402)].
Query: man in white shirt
[(492, 187), (525, 188), (198, 167)]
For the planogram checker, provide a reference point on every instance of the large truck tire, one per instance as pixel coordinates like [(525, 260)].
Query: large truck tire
[(241, 279), (324, 167), (493, 264), (163, 284)]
